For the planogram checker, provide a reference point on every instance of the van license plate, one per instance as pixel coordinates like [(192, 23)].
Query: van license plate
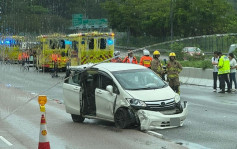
[(175, 122)]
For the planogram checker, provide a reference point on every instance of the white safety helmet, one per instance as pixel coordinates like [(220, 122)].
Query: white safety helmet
[(146, 52), (116, 53)]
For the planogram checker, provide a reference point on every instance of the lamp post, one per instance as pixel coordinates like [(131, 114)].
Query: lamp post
[(171, 20)]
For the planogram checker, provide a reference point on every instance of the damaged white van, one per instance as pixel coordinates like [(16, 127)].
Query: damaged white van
[(126, 94)]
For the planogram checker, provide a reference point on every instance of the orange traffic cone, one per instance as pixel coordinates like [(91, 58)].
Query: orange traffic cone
[(43, 140)]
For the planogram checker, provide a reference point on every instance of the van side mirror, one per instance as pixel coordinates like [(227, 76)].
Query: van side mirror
[(109, 88)]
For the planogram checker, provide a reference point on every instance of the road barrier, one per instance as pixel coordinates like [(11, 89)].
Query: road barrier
[(196, 76), (43, 139)]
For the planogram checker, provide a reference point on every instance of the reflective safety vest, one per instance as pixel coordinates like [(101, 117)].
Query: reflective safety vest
[(25, 56), (20, 57), (126, 60), (173, 69), (116, 60), (146, 61), (156, 66), (54, 57), (223, 65)]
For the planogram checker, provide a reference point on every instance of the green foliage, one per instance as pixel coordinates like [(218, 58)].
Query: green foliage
[(140, 41), (43, 17), (177, 49), (36, 9), (194, 57), (235, 53), (197, 64), (148, 18), (190, 18), (206, 64)]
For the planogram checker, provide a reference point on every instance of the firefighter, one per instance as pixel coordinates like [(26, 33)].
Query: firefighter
[(19, 58), (146, 59), (55, 65), (25, 58), (156, 64), (130, 58), (116, 58), (173, 69)]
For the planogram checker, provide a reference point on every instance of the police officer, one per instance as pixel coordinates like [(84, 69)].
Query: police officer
[(173, 69), (156, 64), (146, 59), (223, 71)]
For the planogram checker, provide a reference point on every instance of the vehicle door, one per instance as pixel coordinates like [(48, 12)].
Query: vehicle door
[(105, 99), (89, 82), (72, 93)]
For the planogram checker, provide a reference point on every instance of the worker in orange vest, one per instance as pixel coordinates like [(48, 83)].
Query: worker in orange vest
[(130, 58), (116, 58), (19, 57), (55, 65), (146, 59), (24, 60)]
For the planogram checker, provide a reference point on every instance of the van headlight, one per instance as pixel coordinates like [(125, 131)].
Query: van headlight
[(136, 102), (177, 98)]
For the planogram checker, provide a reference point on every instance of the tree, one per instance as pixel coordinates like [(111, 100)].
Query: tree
[(190, 17)]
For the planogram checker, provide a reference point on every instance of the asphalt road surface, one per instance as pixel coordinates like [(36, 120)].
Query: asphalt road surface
[(211, 122), (20, 118)]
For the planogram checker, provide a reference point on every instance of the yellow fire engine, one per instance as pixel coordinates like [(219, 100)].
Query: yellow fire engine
[(90, 47), (10, 48), (52, 46)]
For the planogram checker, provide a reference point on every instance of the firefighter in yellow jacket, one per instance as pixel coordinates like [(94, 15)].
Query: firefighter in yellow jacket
[(156, 64), (173, 69)]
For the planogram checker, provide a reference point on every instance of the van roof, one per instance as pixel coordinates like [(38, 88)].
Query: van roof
[(110, 66)]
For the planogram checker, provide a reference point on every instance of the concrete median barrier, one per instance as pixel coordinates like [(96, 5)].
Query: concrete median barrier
[(196, 76)]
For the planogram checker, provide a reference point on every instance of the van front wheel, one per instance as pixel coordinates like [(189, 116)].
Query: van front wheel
[(121, 118), (77, 118)]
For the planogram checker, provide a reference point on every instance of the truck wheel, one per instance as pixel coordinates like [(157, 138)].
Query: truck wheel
[(123, 118), (77, 118)]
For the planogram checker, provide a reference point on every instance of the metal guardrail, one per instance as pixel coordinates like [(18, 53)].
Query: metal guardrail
[(124, 48), (160, 50), (211, 53), (195, 38), (134, 48)]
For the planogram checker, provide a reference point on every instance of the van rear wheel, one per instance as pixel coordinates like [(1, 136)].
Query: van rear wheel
[(77, 118), (123, 118)]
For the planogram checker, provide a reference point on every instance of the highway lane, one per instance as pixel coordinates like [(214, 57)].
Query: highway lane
[(22, 127), (32, 81), (211, 122)]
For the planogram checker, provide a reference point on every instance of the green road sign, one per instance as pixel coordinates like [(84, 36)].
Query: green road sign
[(76, 19), (77, 16), (79, 22)]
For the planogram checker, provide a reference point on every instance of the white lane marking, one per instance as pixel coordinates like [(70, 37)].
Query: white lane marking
[(5, 141), (155, 134)]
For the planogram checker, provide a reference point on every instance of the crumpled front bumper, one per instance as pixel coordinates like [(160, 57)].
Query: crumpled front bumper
[(156, 120)]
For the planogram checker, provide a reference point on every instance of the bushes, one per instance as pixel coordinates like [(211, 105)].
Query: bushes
[(204, 64), (177, 49), (194, 57)]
